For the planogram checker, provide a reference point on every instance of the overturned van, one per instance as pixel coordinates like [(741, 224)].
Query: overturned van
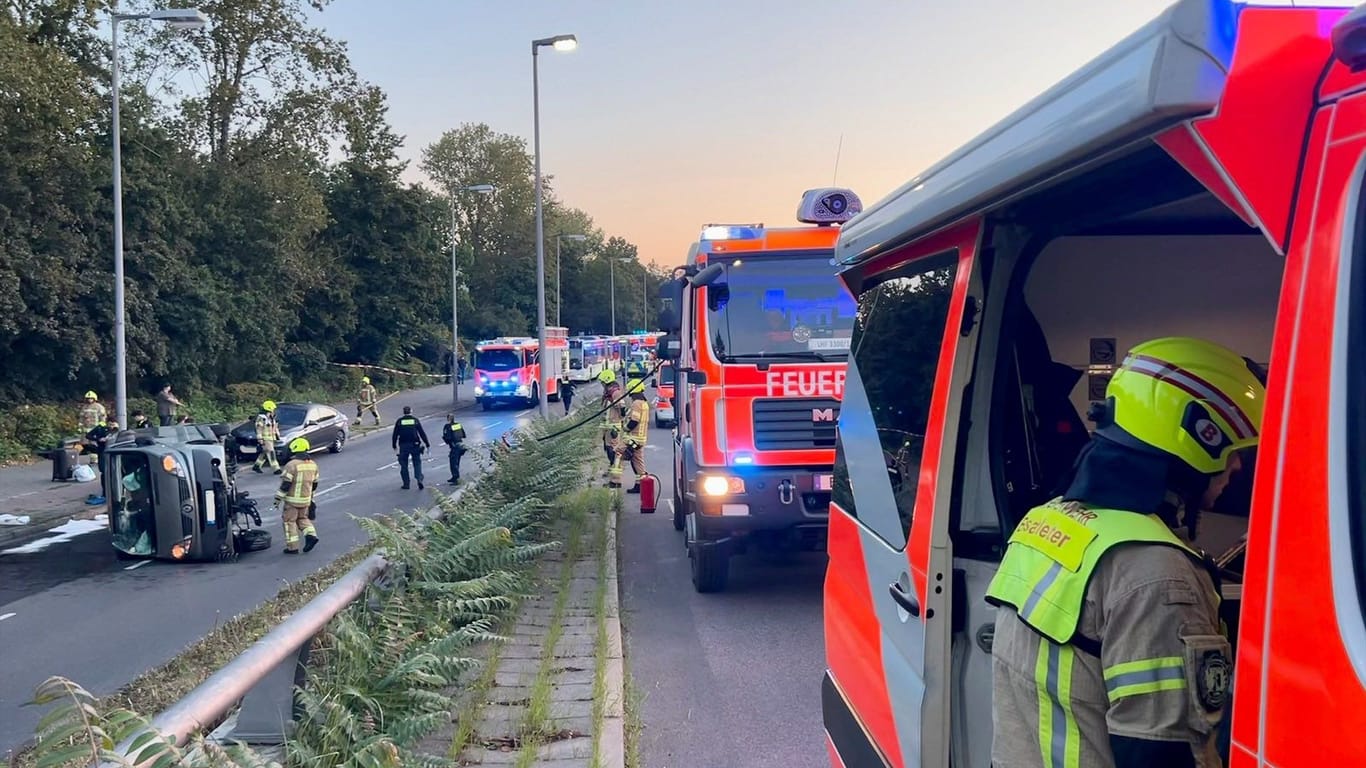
[(171, 496)]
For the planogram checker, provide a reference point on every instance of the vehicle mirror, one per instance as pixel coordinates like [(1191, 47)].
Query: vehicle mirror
[(697, 377), (670, 346), (670, 299), (706, 276)]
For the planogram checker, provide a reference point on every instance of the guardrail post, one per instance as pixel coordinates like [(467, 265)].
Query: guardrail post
[(270, 709)]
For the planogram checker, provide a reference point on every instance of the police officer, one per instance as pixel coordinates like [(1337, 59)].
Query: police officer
[(298, 483), (409, 441), (367, 398), (267, 434), (567, 394), (1108, 648), (453, 435), (632, 446)]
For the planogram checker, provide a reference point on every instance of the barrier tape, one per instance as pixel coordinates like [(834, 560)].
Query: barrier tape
[(391, 370)]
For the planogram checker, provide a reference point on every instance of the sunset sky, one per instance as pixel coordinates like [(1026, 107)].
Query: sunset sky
[(671, 115)]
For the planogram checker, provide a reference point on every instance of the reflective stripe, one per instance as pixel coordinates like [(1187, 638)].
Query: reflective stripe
[(1165, 371), (301, 491), (1040, 587), (1133, 678), (1059, 734)]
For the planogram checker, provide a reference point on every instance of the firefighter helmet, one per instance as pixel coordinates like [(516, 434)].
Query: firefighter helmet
[(91, 395), (365, 379), (299, 445), (1187, 398), (635, 387), (607, 377), (268, 406)]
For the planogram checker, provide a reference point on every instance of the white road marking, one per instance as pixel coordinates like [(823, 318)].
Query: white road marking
[(137, 565), (65, 532), (670, 502), (8, 616), (333, 488)]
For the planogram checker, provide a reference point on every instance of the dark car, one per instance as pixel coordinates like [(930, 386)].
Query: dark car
[(324, 426)]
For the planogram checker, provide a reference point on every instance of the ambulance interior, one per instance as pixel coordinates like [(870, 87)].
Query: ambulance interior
[(1143, 252)]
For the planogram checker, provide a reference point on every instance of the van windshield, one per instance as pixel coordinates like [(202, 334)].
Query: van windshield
[(498, 360), (785, 307)]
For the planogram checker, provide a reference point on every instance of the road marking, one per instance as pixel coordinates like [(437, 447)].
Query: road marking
[(65, 532), (670, 502), (137, 565), (333, 488), (8, 616), (390, 465)]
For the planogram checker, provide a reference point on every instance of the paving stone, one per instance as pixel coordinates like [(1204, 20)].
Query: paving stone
[(571, 692)]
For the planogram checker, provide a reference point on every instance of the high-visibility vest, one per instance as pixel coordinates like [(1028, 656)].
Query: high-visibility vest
[(640, 414), (266, 429), (1053, 553), (297, 481)]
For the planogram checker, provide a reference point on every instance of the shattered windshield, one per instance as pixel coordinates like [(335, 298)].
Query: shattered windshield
[(791, 307)]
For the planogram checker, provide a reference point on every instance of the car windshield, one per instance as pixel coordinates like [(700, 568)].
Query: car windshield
[(498, 360), (780, 307), (289, 418)]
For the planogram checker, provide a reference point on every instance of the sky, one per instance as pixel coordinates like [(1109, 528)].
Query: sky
[(672, 115)]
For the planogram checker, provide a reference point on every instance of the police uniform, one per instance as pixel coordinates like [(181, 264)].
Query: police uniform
[(632, 445), (298, 483), (1108, 647), (453, 435), (409, 440)]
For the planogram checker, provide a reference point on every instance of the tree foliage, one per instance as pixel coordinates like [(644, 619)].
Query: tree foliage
[(268, 228)]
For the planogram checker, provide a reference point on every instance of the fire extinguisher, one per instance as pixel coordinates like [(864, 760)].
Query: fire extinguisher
[(649, 493)]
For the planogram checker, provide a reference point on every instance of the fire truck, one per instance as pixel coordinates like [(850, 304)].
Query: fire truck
[(507, 370), (758, 327), (1202, 178)]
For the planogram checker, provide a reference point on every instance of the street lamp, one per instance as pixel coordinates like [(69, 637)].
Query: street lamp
[(558, 239), (612, 276), (178, 18), (559, 43), (480, 189)]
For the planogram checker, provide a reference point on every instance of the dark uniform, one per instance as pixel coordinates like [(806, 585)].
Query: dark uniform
[(567, 394), (409, 441), (453, 435)]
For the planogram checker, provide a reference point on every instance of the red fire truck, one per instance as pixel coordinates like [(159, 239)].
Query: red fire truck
[(759, 328), (507, 370), (1203, 178)]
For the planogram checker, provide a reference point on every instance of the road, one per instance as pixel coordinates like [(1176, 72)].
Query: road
[(72, 609), (726, 679)]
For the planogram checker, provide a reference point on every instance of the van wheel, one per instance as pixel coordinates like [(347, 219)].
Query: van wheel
[(710, 567)]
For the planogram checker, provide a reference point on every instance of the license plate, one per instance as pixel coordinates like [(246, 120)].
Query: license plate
[(247, 448), (824, 482)]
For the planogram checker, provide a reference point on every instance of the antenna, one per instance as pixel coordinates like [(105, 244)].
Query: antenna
[(838, 149)]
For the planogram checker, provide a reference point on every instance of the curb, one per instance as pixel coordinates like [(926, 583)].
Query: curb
[(612, 739)]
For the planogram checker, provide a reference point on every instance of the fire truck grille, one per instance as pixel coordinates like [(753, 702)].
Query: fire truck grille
[(785, 424)]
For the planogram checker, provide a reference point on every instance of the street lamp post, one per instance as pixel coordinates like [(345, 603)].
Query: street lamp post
[(558, 239), (481, 189), (180, 18), (559, 43), (644, 299), (612, 277)]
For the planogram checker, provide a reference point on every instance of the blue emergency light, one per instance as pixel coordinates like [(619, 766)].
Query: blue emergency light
[(732, 232)]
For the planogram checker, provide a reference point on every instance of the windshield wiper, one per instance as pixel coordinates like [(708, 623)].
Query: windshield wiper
[(805, 355)]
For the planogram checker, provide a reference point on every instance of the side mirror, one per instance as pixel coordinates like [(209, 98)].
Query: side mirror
[(670, 346), (670, 300), (697, 377), (706, 276)]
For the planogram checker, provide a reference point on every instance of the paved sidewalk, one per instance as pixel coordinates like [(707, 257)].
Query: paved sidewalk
[(537, 709)]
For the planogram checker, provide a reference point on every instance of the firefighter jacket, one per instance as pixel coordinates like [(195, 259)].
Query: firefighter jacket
[(267, 430), (368, 395), (615, 415), (298, 481), (92, 415), (1108, 646), (637, 422)]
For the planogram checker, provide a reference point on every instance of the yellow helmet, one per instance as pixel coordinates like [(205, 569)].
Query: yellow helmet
[(299, 445), (268, 405), (1188, 398), (365, 379), (91, 395), (607, 377), (635, 387)]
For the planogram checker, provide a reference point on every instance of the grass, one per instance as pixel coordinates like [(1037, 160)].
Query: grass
[(635, 728), (601, 648), (468, 717)]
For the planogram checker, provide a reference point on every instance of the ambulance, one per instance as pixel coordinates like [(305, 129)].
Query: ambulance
[(507, 370), (758, 327), (1202, 178)]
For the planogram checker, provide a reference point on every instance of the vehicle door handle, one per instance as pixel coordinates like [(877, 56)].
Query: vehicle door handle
[(904, 599)]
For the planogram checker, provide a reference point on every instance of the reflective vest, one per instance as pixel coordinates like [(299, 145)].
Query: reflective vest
[(266, 429), (297, 481), (1053, 553), (368, 394), (640, 414)]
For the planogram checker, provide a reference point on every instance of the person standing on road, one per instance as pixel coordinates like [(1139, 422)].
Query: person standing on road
[(1108, 646), (298, 483), (92, 413), (463, 362), (166, 405), (632, 446), (612, 416), (453, 435), (409, 441), (367, 398), (267, 435), (567, 394)]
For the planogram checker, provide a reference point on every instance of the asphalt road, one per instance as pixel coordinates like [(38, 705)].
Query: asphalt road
[(72, 609), (726, 679)]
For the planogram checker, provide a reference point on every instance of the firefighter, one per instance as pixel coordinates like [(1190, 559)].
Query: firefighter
[(613, 414), (367, 399), (632, 446), (1108, 648), (453, 435), (92, 413), (267, 434), (409, 441), (298, 483)]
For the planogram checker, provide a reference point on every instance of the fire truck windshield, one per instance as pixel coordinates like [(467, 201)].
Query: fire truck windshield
[(792, 307), (498, 360)]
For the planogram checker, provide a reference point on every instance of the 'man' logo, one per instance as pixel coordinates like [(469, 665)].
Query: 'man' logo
[(822, 414)]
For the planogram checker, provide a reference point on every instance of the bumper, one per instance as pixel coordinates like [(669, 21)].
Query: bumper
[(774, 499), (664, 415)]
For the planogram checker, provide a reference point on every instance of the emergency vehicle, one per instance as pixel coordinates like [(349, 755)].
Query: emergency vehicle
[(759, 328), (587, 358), (1202, 178), (508, 369)]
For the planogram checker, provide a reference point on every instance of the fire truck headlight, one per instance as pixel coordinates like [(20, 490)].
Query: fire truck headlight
[(721, 485), (514, 377), (523, 391), (478, 391)]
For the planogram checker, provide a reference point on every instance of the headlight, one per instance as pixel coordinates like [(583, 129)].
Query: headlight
[(722, 485), (514, 377), (478, 391), (172, 466), (523, 390)]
